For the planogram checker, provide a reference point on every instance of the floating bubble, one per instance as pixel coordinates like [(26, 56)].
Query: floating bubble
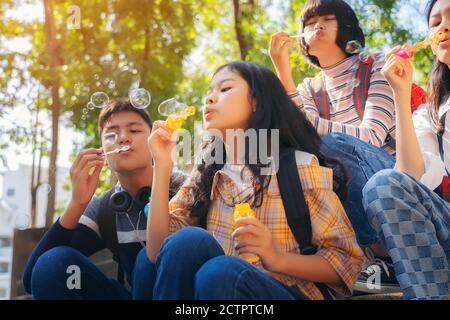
[(353, 47), (98, 84), (135, 83), (140, 98), (90, 106), (22, 221), (109, 139), (170, 106), (45, 188), (96, 77), (100, 99), (83, 117), (354, 83), (111, 85), (85, 111), (373, 17)]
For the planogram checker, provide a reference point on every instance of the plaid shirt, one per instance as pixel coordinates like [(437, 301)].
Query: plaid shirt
[(332, 232)]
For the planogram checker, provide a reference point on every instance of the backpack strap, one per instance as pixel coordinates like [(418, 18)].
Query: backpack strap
[(108, 231), (444, 188), (361, 90), (321, 98), (297, 212)]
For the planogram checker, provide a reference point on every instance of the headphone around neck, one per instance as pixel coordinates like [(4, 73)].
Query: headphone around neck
[(122, 201)]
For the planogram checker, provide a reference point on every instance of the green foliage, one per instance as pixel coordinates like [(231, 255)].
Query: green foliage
[(172, 47)]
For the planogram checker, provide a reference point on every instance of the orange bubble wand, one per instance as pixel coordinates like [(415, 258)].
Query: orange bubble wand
[(407, 51), (176, 120)]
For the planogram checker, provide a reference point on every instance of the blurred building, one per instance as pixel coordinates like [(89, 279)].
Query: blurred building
[(15, 210)]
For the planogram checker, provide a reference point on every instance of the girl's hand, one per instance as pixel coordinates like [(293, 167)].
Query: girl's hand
[(161, 143), (280, 43), (254, 237), (398, 72)]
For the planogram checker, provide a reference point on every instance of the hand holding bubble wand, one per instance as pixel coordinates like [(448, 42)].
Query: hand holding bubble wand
[(407, 51)]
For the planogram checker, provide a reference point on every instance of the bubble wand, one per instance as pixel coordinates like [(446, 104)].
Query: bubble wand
[(407, 51), (175, 120)]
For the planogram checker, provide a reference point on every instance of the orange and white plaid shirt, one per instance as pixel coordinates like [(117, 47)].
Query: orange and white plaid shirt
[(332, 232)]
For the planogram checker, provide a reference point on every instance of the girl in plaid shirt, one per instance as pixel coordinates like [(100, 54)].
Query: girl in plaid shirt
[(190, 262)]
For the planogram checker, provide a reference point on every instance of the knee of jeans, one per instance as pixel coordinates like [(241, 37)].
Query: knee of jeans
[(216, 273), (52, 263), (188, 238), (142, 261)]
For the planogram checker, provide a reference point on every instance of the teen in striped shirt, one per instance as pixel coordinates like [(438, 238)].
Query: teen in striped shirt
[(364, 141)]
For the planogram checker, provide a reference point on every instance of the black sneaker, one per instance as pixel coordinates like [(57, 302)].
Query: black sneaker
[(378, 276)]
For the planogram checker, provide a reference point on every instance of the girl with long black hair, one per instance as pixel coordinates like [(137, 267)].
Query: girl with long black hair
[(191, 262)]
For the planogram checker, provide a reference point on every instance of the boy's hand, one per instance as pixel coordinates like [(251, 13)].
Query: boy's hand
[(84, 180)]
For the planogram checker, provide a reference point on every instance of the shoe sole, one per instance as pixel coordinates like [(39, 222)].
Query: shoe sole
[(362, 287)]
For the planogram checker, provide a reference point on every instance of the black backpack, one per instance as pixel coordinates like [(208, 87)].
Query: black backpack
[(297, 212), (107, 221)]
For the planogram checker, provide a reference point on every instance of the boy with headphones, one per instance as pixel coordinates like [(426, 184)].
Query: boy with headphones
[(114, 220)]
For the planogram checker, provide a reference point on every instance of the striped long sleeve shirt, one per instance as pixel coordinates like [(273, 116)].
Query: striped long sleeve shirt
[(379, 117)]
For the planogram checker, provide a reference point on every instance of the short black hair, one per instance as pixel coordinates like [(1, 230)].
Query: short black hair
[(120, 105), (348, 24)]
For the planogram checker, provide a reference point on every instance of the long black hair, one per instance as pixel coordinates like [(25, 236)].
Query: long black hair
[(439, 82), (348, 25), (274, 110)]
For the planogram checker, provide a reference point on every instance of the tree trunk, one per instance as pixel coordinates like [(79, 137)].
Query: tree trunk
[(36, 181), (54, 56), (241, 13), (144, 72), (243, 46)]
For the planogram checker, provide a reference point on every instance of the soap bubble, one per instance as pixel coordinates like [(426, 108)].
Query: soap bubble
[(140, 98), (170, 106), (373, 18), (96, 77), (85, 111), (45, 188), (100, 99), (353, 47), (354, 83), (135, 83), (111, 85), (109, 138), (22, 221), (90, 106), (83, 117)]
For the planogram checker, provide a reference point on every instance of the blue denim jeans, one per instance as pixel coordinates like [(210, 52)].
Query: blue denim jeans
[(414, 224), (191, 265), (362, 161), (50, 278)]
